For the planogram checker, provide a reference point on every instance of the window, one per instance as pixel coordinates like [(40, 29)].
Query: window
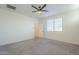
[(58, 24), (50, 25), (54, 25)]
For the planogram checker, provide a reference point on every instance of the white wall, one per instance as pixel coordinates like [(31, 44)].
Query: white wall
[(70, 32), (15, 27)]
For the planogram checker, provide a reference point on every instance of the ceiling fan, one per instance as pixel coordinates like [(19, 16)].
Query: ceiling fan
[(39, 9)]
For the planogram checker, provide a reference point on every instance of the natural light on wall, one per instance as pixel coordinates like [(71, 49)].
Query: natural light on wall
[(74, 13), (75, 6), (54, 24)]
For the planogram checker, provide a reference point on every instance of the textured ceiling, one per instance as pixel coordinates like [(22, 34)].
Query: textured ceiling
[(26, 9)]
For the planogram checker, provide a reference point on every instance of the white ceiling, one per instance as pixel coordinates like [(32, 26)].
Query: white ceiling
[(26, 9)]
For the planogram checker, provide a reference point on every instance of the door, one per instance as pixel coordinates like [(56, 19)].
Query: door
[(39, 33)]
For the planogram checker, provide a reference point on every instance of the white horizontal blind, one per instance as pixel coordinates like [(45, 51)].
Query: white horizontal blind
[(50, 25), (58, 24), (54, 25)]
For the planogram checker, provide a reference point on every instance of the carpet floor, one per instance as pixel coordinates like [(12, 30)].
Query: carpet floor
[(39, 47)]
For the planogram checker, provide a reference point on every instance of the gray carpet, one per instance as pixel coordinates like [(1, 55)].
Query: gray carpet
[(39, 47)]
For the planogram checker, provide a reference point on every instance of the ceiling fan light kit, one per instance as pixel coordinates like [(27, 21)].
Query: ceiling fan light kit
[(39, 12)]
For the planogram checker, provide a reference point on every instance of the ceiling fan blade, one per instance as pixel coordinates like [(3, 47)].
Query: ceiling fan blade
[(45, 10), (43, 6), (34, 7), (34, 11)]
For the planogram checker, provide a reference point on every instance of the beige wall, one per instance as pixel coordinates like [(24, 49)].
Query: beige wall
[(70, 31), (15, 27)]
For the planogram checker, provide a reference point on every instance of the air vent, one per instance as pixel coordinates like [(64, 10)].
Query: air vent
[(11, 7)]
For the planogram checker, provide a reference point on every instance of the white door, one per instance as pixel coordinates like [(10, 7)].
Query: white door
[(39, 33)]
